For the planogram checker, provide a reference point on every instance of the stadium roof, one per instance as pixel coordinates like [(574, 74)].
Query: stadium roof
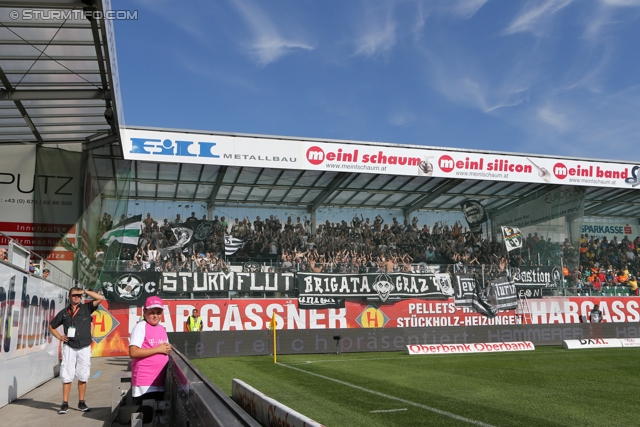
[(224, 185), (57, 85)]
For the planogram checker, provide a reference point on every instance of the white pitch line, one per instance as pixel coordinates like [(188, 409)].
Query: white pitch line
[(342, 360), (398, 399), (388, 410)]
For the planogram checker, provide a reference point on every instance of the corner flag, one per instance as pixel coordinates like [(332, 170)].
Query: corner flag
[(272, 327), (272, 324)]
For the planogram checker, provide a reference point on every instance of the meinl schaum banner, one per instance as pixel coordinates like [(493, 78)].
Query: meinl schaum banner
[(546, 276), (131, 288), (223, 282), (381, 285)]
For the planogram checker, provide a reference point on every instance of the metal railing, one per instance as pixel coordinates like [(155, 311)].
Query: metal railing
[(23, 258), (196, 401)]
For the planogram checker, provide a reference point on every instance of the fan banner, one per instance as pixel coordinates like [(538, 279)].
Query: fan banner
[(381, 285), (308, 303), (529, 291), (498, 295), (187, 282), (131, 288), (549, 277)]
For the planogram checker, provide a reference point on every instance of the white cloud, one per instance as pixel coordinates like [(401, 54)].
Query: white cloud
[(401, 118), (268, 44), (420, 20), (535, 15), (584, 124), (608, 16), (558, 120), (621, 3), (464, 9), (469, 87), (377, 32)]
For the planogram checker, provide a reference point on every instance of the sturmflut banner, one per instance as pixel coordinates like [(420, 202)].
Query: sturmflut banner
[(381, 285), (232, 281)]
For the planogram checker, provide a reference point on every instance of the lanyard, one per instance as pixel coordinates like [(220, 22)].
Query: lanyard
[(73, 315)]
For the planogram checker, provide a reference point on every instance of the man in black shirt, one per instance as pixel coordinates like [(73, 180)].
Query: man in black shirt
[(596, 315), (76, 350)]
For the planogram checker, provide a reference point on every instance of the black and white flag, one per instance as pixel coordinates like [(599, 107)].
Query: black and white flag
[(183, 238), (512, 238), (232, 244), (499, 294)]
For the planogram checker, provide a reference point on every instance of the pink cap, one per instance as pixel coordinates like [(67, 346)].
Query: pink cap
[(154, 302)]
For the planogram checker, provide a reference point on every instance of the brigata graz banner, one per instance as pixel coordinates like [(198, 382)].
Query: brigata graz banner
[(224, 282), (549, 277), (382, 285)]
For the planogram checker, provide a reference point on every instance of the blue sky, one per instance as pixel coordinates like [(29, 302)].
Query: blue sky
[(556, 77)]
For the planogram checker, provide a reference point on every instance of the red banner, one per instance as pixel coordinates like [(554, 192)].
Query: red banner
[(29, 227), (30, 241), (113, 323), (56, 255)]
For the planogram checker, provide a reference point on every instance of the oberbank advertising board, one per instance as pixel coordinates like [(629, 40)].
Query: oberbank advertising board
[(271, 152)]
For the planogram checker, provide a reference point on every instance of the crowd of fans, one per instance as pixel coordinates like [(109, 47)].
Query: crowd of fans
[(363, 245), (606, 263), (360, 245)]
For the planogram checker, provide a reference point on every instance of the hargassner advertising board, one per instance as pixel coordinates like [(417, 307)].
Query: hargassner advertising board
[(264, 151)]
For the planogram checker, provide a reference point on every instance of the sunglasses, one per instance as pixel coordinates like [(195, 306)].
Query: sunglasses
[(76, 295)]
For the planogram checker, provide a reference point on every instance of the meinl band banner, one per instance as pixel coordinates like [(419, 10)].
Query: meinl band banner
[(232, 281), (131, 288), (382, 285), (310, 303), (546, 276)]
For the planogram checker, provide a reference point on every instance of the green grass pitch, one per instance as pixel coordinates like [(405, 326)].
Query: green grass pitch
[(546, 387)]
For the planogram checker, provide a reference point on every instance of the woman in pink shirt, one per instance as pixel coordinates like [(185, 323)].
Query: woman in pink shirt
[(149, 350)]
